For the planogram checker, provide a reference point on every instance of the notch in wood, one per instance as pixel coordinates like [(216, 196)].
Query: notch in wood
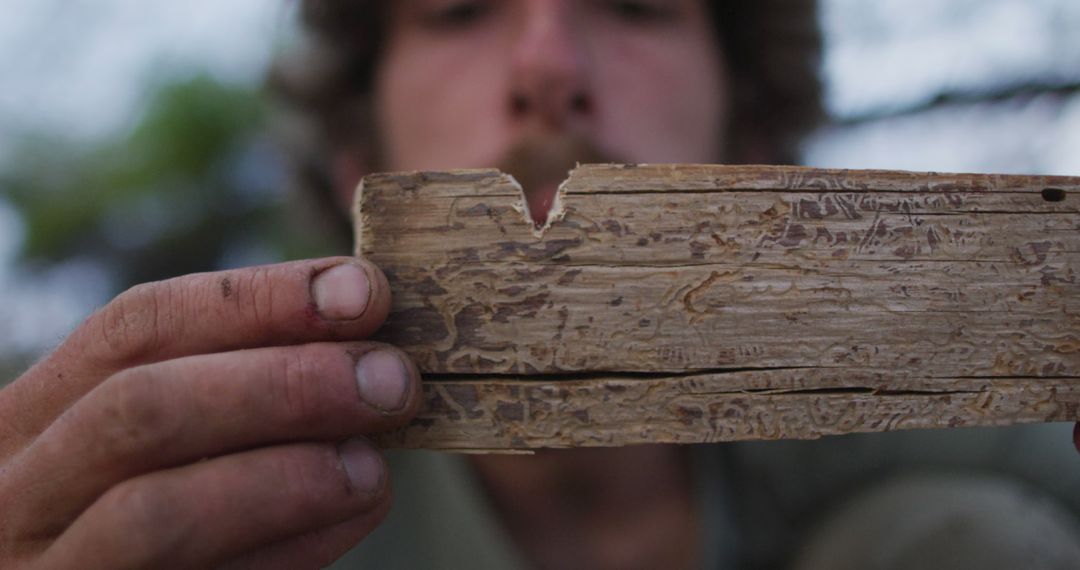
[(700, 303)]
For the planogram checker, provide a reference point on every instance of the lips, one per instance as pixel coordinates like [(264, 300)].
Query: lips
[(538, 202), (541, 161)]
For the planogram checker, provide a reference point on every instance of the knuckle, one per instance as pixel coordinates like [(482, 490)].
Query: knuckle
[(260, 296), (311, 475), (139, 502), (131, 326), (297, 386), (137, 415), (152, 517)]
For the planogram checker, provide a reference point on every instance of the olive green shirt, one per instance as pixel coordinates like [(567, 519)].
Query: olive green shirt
[(758, 501)]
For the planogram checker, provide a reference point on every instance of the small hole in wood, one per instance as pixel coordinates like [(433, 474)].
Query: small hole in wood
[(1053, 194)]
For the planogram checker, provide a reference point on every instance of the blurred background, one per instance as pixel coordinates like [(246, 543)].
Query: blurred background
[(134, 141)]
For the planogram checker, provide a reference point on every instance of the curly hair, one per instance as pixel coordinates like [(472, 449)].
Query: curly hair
[(772, 49)]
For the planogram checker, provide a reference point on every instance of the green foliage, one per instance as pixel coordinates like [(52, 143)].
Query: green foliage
[(195, 177)]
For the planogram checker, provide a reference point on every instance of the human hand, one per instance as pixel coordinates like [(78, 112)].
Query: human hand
[(196, 422)]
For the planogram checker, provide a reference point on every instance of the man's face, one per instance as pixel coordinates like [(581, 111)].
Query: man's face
[(469, 83)]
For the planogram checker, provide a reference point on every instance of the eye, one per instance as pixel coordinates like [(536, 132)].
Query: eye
[(640, 11), (456, 15)]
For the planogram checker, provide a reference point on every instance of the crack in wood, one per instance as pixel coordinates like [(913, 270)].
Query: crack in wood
[(1032, 193), (568, 377), (701, 303)]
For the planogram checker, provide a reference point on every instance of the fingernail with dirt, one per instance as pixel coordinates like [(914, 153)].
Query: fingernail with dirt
[(382, 379), (362, 464), (341, 293)]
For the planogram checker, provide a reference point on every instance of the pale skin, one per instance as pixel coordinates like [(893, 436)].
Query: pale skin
[(464, 84), (218, 419)]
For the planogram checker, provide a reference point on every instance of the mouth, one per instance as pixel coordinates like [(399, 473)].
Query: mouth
[(540, 164), (539, 201)]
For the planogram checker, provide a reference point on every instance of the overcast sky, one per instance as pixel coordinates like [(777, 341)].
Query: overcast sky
[(895, 53), (78, 65)]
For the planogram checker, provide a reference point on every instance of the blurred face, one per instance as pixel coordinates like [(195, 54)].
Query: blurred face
[(533, 85)]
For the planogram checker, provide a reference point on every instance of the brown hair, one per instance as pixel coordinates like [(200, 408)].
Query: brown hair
[(772, 49)]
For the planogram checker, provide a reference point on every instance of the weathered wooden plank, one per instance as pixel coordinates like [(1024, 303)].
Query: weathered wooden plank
[(499, 414), (654, 280), (658, 229)]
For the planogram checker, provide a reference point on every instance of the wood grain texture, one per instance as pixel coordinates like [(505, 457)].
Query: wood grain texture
[(712, 303)]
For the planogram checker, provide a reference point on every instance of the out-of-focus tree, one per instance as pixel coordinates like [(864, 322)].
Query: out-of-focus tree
[(195, 185)]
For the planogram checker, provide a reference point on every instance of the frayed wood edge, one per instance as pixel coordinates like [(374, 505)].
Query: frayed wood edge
[(555, 214), (359, 218)]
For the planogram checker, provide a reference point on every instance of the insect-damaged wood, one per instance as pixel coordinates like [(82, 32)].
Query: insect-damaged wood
[(711, 303)]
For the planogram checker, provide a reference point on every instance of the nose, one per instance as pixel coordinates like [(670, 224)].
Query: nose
[(549, 81)]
